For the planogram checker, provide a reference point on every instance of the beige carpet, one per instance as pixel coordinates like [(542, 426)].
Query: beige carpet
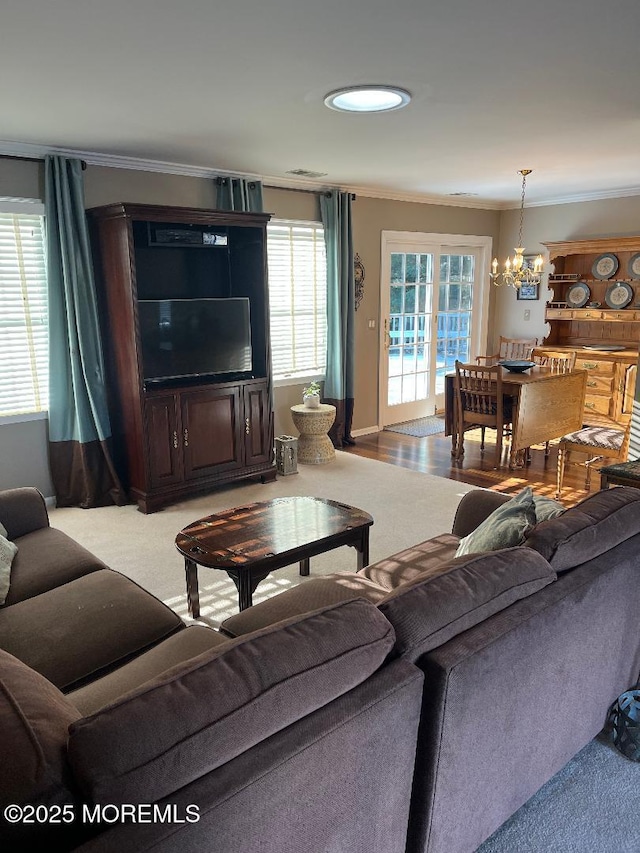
[(407, 507)]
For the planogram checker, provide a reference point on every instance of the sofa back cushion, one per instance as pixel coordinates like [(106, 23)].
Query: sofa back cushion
[(583, 532), (438, 605), (22, 510), (202, 714), (35, 718)]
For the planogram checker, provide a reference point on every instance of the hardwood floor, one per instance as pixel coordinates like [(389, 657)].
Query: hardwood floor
[(432, 455)]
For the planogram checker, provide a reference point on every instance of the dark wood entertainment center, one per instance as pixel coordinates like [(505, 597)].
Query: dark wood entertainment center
[(177, 435)]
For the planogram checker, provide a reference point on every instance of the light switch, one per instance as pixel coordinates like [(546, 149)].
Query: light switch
[(527, 314), (372, 324)]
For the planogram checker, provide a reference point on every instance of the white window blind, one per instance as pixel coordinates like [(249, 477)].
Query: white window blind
[(24, 357), (297, 298)]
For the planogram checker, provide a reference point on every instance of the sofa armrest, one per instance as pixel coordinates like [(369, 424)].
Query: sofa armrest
[(474, 507), (22, 511)]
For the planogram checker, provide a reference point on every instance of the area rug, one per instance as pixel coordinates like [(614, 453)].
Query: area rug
[(420, 427), (590, 806), (142, 547)]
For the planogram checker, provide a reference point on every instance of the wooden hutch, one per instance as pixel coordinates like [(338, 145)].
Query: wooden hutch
[(605, 336)]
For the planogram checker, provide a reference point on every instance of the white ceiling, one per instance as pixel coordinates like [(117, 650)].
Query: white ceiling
[(498, 85)]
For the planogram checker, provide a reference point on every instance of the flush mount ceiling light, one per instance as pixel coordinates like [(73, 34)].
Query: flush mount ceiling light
[(367, 99)]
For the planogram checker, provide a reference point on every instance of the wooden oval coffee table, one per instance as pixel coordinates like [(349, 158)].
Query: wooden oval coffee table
[(249, 542)]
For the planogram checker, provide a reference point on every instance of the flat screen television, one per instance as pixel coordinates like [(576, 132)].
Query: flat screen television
[(188, 338)]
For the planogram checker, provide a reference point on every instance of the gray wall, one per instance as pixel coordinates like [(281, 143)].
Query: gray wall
[(23, 447)]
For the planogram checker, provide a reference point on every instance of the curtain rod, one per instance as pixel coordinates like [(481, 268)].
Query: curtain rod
[(34, 159), (326, 193)]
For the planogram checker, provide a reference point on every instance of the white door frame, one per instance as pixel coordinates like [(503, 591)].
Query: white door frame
[(480, 307)]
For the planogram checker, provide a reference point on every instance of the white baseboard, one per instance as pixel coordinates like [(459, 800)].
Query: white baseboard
[(365, 431)]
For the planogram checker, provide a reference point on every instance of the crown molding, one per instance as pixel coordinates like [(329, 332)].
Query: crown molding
[(141, 164)]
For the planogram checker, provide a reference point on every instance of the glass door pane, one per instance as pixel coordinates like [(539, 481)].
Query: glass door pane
[(455, 301), (409, 327)]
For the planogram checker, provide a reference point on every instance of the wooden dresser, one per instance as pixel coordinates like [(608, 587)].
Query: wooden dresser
[(599, 322)]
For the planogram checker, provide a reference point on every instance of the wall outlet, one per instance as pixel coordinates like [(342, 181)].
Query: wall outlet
[(527, 314)]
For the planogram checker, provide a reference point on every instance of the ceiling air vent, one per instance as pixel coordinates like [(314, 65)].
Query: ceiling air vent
[(306, 173)]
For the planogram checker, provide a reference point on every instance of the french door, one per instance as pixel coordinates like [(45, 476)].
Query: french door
[(433, 311)]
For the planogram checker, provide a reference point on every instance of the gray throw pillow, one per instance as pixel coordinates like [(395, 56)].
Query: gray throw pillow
[(8, 550), (547, 508), (506, 527)]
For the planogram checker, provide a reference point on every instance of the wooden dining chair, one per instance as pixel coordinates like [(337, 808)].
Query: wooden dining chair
[(479, 402), (597, 443), (560, 361), (511, 349)]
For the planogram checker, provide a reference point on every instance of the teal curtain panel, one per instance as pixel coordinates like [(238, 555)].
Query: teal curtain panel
[(239, 194), (79, 429), (335, 208)]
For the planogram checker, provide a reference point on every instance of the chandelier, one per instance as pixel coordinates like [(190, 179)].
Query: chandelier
[(516, 270)]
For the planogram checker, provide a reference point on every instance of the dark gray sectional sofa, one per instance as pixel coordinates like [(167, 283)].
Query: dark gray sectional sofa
[(413, 706), (509, 697), (274, 742)]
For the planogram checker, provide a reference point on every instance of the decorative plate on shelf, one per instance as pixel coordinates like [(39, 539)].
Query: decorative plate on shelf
[(578, 295), (619, 294), (605, 266), (634, 266)]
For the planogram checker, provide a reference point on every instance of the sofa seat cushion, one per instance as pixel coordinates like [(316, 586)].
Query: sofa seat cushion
[(442, 603), (303, 598), (202, 714), (406, 565), (176, 649), (47, 558), (35, 721), (585, 531), (85, 627)]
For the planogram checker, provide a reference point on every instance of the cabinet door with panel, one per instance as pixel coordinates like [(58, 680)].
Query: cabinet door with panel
[(211, 431), (258, 429), (164, 444)]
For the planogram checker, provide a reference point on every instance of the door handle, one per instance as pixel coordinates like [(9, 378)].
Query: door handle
[(175, 440), (247, 426), (186, 438)]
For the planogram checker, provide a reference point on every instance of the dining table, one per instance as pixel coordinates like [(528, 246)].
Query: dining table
[(546, 404)]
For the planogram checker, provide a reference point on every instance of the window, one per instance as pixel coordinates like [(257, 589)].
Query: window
[(297, 298), (24, 373)]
